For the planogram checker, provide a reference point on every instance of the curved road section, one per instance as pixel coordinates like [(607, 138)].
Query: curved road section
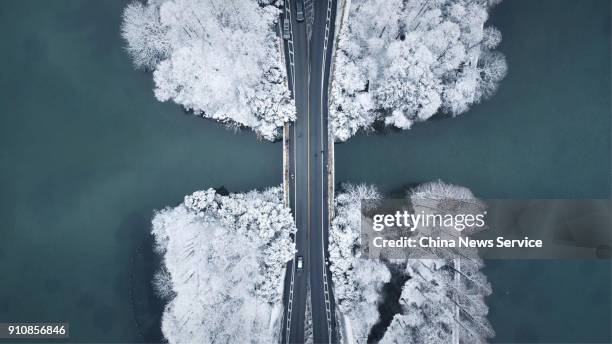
[(308, 67)]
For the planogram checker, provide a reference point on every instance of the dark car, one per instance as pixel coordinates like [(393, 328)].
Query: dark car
[(299, 10)]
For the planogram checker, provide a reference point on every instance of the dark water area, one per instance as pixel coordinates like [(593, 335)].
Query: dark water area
[(390, 305), (87, 154), (545, 134)]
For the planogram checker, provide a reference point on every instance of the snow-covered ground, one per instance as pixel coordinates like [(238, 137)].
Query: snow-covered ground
[(223, 262), (217, 58), (443, 300), (402, 61)]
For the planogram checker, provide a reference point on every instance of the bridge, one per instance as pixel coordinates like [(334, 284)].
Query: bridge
[(308, 54)]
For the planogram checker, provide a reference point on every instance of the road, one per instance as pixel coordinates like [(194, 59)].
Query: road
[(308, 67)]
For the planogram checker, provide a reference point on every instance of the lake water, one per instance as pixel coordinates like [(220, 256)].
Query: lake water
[(87, 154), (545, 134)]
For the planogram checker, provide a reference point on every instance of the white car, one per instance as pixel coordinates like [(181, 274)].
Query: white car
[(286, 29), (300, 263)]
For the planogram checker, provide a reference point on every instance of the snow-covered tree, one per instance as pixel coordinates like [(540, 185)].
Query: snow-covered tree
[(402, 61), (162, 283), (217, 58), (224, 259), (357, 280), (142, 28), (443, 301)]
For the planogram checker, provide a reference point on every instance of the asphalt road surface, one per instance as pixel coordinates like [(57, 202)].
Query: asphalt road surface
[(308, 67)]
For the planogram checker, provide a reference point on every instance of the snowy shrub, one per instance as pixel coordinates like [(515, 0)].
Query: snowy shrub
[(162, 283), (217, 58), (224, 259), (402, 61), (142, 28), (357, 280)]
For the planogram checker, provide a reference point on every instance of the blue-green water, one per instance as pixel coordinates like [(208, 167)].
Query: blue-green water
[(87, 154), (545, 134)]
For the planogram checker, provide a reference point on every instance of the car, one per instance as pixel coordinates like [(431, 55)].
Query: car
[(300, 263), (286, 29), (299, 10), (292, 176)]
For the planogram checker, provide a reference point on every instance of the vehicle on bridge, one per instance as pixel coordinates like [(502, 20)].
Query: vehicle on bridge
[(286, 29), (299, 10), (300, 264)]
